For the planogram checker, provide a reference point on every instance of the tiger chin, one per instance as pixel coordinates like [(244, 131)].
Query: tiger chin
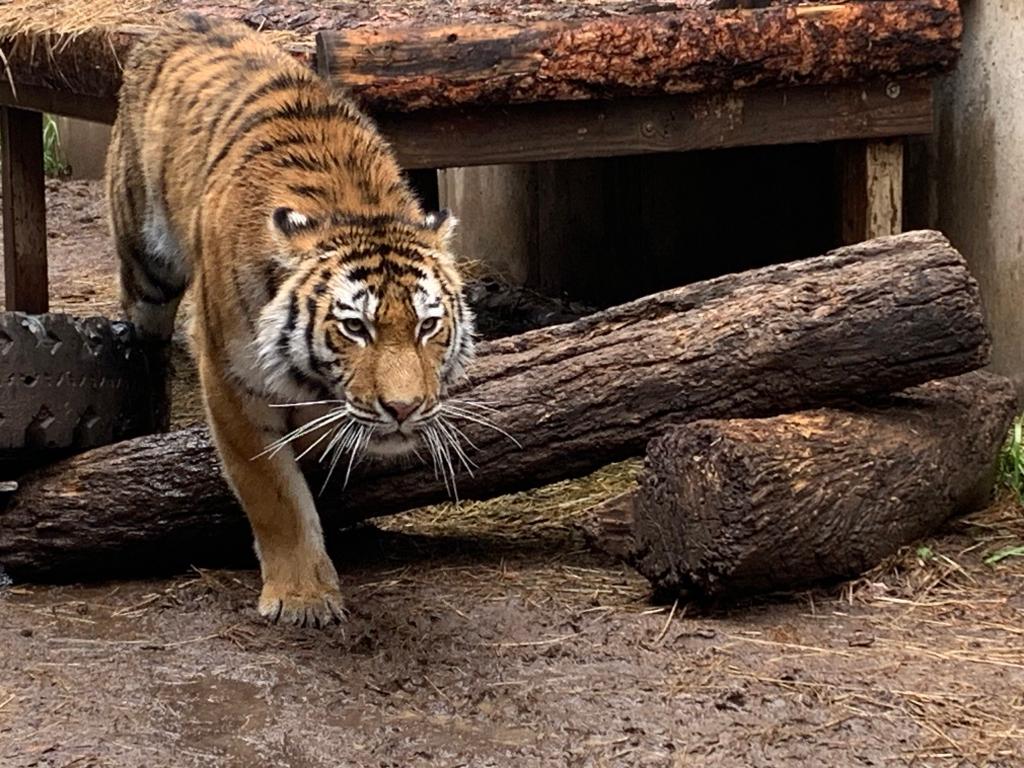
[(329, 316)]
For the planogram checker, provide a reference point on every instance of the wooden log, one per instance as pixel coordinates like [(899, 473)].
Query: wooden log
[(26, 282), (728, 508), (874, 317), (684, 51)]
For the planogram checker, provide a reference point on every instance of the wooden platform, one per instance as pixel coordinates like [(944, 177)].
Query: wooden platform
[(498, 83)]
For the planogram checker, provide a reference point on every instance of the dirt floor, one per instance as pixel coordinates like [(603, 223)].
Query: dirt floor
[(491, 635)]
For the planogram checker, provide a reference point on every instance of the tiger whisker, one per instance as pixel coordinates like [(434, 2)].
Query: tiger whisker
[(327, 433), (446, 455), (349, 444), (460, 413), (445, 429), (308, 402), (433, 457), (339, 435), (304, 429), (476, 404), (462, 435), (436, 450), (428, 438), (356, 450)]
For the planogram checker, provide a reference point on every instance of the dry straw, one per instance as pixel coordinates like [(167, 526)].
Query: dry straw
[(71, 18)]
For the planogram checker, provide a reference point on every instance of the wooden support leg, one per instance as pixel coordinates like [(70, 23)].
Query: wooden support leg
[(871, 184), (24, 211)]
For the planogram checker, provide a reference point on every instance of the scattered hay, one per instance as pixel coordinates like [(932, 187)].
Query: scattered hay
[(71, 18), (538, 513), (947, 605), (972, 550), (52, 26)]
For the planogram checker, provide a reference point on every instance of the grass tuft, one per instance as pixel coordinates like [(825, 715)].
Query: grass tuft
[(53, 160), (1011, 460)]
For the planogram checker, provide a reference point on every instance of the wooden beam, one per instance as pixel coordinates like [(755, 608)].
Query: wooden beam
[(687, 50), (458, 137), (871, 189), (561, 130), (24, 211), (96, 109)]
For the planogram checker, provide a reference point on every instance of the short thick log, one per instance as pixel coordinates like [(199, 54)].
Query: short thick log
[(685, 51), (874, 317), (727, 508)]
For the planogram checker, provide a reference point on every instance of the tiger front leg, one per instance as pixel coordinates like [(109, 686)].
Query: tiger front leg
[(300, 584)]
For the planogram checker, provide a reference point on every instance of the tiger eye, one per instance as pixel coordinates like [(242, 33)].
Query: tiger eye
[(355, 326), (428, 326)]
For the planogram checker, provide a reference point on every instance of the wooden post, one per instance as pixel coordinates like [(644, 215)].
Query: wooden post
[(871, 189), (24, 211)]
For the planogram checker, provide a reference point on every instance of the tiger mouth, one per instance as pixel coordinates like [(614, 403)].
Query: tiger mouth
[(395, 443)]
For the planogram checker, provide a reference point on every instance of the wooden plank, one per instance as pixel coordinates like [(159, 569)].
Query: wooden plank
[(455, 137), (525, 133), (690, 50), (96, 109), (557, 131), (24, 211), (468, 136), (871, 189)]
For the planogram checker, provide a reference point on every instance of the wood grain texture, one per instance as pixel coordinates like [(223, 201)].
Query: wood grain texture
[(732, 507), (456, 137), (871, 189), (870, 318), (26, 281), (685, 51), (441, 138)]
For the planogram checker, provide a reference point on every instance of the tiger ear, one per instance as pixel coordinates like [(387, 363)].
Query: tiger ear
[(443, 223), (290, 222)]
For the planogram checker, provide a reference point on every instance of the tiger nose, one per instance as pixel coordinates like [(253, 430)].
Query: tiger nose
[(401, 409)]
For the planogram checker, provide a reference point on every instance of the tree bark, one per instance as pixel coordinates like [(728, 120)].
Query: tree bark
[(731, 507), (874, 317), (685, 51)]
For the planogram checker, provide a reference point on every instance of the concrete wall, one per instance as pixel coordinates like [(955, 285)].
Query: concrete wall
[(83, 147), (977, 162), (498, 200)]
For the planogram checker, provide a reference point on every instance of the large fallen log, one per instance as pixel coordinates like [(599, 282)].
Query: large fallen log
[(732, 507), (869, 318), (682, 51)]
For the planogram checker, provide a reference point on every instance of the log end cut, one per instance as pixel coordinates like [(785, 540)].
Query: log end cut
[(732, 507)]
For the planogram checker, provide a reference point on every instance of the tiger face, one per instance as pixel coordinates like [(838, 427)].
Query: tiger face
[(370, 321)]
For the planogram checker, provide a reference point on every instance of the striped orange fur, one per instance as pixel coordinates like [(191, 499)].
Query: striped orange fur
[(234, 170)]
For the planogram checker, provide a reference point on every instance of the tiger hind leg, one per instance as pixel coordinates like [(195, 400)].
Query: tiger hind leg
[(154, 274)]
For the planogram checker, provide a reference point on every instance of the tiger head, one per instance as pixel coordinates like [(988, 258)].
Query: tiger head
[(369, 317)]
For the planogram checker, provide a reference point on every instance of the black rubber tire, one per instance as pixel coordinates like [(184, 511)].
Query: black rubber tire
[(67, 384)]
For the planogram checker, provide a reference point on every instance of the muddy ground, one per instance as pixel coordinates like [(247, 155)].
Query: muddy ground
[(491, 635)]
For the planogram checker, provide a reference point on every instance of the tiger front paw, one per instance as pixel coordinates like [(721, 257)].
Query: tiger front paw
[(304, 605)]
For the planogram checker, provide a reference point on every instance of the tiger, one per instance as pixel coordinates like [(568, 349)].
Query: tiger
[(317, 279)]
